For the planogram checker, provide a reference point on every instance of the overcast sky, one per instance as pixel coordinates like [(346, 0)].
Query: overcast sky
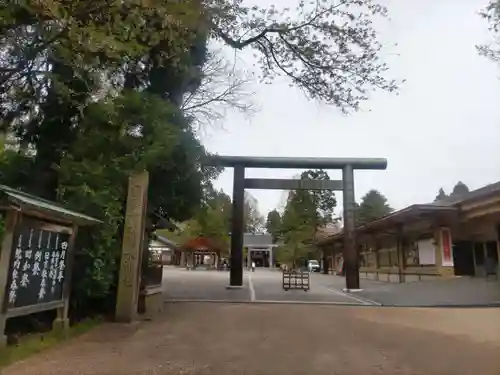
[(444, 126)]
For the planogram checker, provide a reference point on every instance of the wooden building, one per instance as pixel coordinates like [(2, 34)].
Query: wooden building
[(453, 237)]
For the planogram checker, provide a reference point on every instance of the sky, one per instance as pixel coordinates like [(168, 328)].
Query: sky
[(443, 125)]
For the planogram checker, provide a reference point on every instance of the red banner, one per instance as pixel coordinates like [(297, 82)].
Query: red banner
[(446, 247)]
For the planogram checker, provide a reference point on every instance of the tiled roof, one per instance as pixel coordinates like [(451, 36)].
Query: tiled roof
[(166, 241), (449, 204), (264, 239), (474, 194), (34, 203)]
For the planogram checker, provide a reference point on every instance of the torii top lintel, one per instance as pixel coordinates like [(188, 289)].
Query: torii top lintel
[(295, 163)]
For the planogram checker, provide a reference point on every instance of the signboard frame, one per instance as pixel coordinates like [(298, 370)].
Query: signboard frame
[(37, 224), (15, 219)]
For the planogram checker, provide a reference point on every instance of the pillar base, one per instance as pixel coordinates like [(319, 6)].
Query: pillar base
[(234, 286), (60, 326), (346, 290), (153, 301)]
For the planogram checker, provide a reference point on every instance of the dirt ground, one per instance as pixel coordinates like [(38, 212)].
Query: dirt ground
[(220, 339)]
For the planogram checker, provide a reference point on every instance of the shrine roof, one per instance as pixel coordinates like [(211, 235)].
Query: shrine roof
[(200, 244), (31, 204)]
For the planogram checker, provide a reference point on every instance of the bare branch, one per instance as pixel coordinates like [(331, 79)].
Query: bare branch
[(222, 88), (327, 48)]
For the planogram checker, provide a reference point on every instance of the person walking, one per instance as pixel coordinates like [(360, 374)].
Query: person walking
[(253, 266)]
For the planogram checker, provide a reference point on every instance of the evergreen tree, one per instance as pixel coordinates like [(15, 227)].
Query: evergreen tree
[(441, 196), (273, 224), (305, 212), (459, 190), (373, 206)]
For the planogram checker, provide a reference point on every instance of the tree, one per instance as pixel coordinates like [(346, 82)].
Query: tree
[(98, 90), (211, 220), (441, 196), (253, 220), (97, 96), (328, 49), (305, 212), (373, 206), (222, 87), (492, 15), (297, 230), (459, 190), (273, 224)]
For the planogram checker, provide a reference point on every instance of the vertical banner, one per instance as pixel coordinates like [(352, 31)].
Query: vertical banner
[(446, 248)]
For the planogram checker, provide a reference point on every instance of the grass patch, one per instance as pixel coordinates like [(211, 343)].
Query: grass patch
[(35, 343)]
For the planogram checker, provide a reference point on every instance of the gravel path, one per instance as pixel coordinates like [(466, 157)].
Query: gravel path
[(220, 339)]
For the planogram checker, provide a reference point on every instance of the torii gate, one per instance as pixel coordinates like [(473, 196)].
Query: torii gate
[(240, 183)]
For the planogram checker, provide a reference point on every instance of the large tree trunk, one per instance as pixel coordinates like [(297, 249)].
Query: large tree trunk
[(60, 113)]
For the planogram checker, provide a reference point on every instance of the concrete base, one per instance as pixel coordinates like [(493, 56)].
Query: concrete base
[(345, 290), (60, 327), (234, 286), (153, 301), (60, 324)]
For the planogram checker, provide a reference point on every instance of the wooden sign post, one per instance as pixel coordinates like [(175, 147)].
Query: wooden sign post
[(36, 257)]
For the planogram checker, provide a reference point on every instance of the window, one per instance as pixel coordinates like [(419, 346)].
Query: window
[(426, 252)]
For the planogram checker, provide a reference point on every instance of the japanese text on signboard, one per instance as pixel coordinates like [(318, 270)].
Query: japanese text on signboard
[(38, 267)]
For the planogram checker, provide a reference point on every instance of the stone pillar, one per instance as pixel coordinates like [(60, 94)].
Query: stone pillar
[(249, 258), (133, 234), (271, 260)]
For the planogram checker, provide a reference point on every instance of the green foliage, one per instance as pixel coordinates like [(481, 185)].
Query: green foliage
[(441, 195), (136, 133), (274, 225), (95, 89), (373, 206), (305, 212), (211, 220), (459, 190), (15, 169)]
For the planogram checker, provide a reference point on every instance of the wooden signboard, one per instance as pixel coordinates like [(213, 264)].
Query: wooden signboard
[(38, 268), (36, 256)]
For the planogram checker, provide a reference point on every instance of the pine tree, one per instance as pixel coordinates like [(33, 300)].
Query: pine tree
[(459, 190), (441, 196), (373, 206)]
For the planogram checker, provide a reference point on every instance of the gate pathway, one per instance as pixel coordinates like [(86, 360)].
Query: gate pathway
[(276, 339)]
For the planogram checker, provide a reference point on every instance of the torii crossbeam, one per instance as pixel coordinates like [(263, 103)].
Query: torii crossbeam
[(240, 183)]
